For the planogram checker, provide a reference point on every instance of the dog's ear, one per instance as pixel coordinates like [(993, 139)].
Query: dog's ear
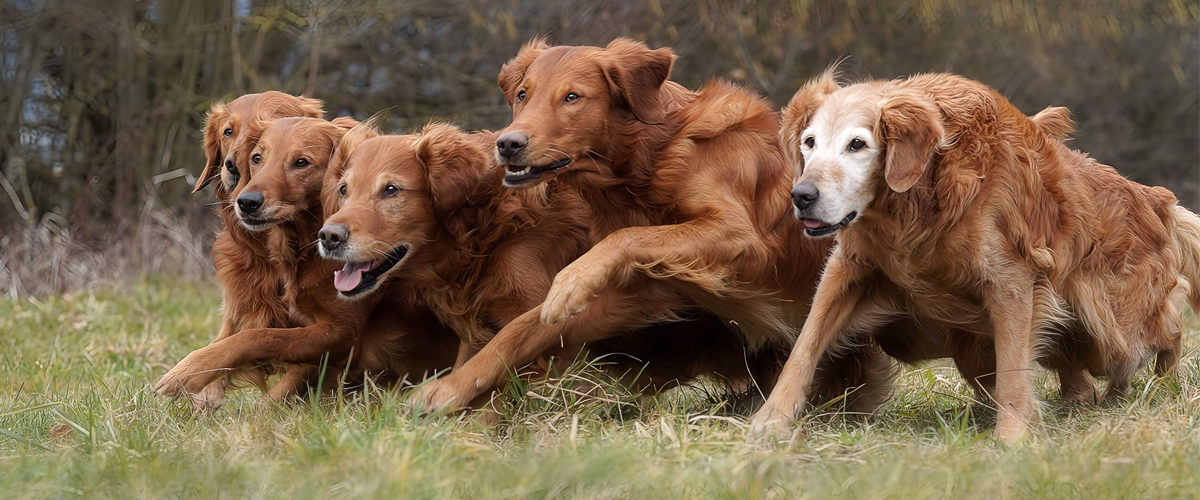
[(635, 74), (335, 131), (911, 129), (330, 197), (798, 113), (1055, 122), (346, 123), (276, 104), (454, 164), (311, 107), (513, 71), (212, 146)]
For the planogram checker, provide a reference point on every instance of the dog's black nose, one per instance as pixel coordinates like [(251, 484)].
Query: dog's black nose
[(805, 194), (250, 202), (510, 144), (231, 166), (333, 235)]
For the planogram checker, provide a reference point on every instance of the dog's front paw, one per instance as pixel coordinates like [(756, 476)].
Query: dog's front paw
[(439, 396), (188, 377), (211, 397), (769, 425), (573, 289)]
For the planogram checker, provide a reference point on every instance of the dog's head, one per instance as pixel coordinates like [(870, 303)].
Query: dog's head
[(565, 99), (848, 145), (392, 194), (287, 166), (230, 131)]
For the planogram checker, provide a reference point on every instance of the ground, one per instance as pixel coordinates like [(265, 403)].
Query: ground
[(78, 418)]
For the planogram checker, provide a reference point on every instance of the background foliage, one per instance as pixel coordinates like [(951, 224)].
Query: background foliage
[(102, 100)]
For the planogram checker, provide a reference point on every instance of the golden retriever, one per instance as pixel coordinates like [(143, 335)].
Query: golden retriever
[(950, 205), (282, 201), (249, 284), (429, 209), (688, 194)]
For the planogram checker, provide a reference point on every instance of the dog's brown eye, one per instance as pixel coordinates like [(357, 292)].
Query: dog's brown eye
[(301, 163), (520, 96), (256, 159), (390, 190), (572, 97), (810, 142), (856, 144), (228, 132), (342, 190)]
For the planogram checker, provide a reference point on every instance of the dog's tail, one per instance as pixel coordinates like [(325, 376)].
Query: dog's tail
[(1055, 122), (1187, 239)]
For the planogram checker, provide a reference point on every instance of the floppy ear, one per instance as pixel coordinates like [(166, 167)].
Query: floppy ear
[(335, 132), (798, 113), (212, 146), (338, 163), (635, 73), (912, 130), (513, 71), (345, 122), (276, 104), (311, 108), (455, 166)]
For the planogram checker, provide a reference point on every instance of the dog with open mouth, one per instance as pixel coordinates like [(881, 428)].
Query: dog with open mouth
[(951, 206), (282, 201), (249, 283), (688, 198), (429, 209)]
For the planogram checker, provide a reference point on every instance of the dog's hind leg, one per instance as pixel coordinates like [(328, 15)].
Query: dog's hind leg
[(1168, 356), (1076, 385), (975, 357)]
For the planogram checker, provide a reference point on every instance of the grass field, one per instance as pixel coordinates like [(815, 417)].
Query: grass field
[(77, 419)]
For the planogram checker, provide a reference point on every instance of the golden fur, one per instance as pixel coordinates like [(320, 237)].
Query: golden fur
[(688, 193), (477, 255), (978, 217), (250, 287), (480, 256), (399, 339)]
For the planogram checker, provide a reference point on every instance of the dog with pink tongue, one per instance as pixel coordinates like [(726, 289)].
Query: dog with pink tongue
[(388, 333)]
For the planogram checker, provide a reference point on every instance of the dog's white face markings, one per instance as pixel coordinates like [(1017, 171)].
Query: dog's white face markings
[(841, 158)]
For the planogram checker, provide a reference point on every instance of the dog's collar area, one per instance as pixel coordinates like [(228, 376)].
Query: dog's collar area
[(521, 174), (828, 229), (358, 278)]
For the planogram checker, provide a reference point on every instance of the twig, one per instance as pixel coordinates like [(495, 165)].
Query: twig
[(12, 195)]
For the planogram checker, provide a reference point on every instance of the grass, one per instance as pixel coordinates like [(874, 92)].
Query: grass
[(77, 419)]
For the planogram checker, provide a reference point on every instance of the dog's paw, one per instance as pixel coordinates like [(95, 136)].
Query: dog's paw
[(573, 289), (439, 396), (770, 426), (171, 384), (211, 397), (188, 377)]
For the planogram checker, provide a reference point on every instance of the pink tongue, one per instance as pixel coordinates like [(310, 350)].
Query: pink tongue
[(812, 224), (350, 276)]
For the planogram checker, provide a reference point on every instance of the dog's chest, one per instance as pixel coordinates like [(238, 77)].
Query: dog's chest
[(944, 292)]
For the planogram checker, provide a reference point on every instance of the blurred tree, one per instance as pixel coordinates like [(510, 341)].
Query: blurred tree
[(103, 99)]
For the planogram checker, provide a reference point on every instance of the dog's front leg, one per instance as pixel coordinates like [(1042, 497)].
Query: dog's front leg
[(304, 345), (700, 251), (839, 297), (1010, 307), (527, 337)]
